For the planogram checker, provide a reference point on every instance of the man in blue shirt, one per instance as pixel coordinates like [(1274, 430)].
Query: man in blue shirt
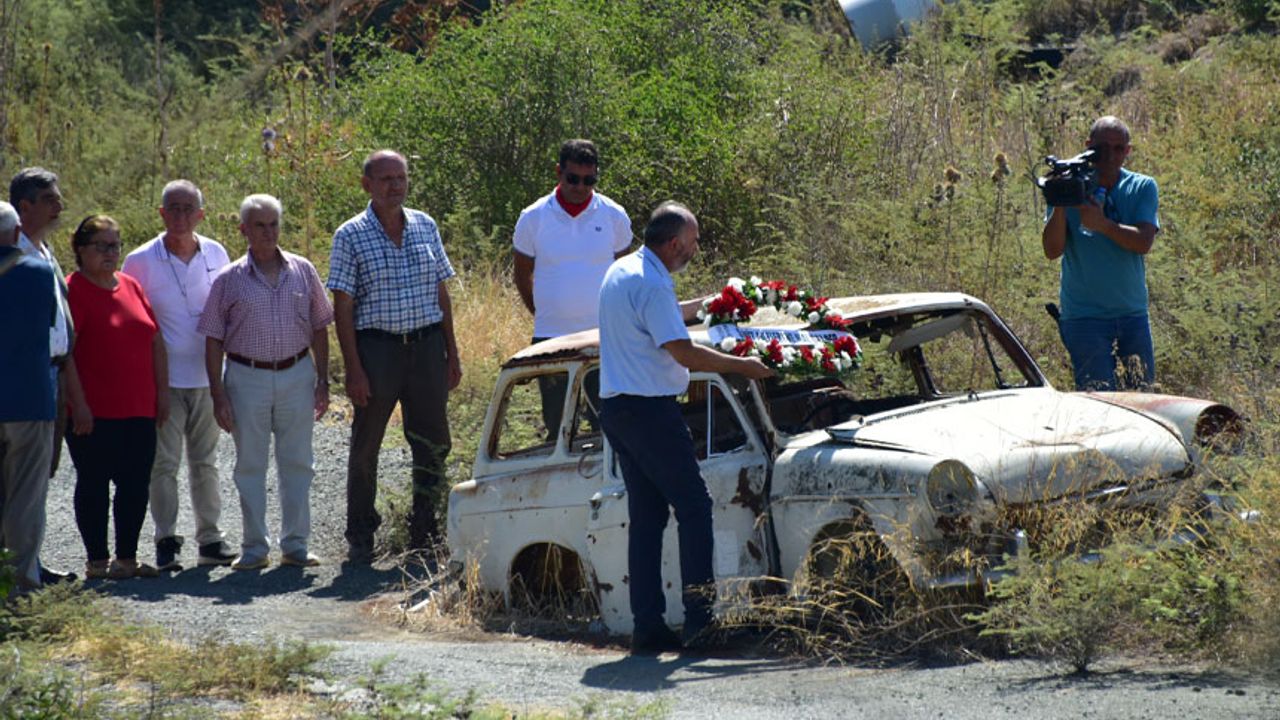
[(27, 311), (394, 318), (1103, 245), (645, 359)]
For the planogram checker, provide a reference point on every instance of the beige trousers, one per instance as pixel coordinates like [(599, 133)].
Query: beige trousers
[(25, 448), (191, 423)]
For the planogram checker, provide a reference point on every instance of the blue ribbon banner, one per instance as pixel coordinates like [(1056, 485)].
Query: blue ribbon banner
[(764, 335)]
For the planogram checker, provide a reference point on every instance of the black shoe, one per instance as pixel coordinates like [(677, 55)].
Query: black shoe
[(215, 554), (699, 634), (654, 640), (360, 551), (49, 576), (167, 551)]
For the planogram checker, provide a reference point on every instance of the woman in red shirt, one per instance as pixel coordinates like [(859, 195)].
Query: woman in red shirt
[(119, 399)]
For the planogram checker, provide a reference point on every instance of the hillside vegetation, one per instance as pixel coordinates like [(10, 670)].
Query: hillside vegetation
[(806, 157)]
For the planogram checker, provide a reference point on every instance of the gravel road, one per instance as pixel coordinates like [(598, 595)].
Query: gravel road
[(332, 604)]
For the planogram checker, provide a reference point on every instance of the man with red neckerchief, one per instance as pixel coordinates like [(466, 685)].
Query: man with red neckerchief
[(564, 242)]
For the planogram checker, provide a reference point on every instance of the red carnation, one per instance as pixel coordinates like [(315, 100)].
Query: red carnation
[(774, 351)]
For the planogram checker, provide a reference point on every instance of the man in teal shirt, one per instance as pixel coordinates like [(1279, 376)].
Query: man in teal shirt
[(1103, 245)]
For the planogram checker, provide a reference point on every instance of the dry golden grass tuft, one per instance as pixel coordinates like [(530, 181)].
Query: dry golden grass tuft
[(545, 606), (490, 321)]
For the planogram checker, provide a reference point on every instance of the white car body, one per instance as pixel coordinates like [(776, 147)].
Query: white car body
[(929, 457)]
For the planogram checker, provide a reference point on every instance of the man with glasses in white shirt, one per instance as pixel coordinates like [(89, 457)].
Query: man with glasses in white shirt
[(562, 246), (176, 269)]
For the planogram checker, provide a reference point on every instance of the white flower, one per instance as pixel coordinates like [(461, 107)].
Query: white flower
[(814, 318), (788, 355), (706, 303), (736, 283), (846, 362), (702, 314), (728, 344), (756, 280), (794, 309)]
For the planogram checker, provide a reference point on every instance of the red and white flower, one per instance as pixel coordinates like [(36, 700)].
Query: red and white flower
[(738, 303)]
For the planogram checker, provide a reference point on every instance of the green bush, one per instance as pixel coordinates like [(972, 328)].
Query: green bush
[(1255, 12)]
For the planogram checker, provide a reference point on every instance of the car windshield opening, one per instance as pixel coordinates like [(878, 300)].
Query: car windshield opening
[(907, 359)]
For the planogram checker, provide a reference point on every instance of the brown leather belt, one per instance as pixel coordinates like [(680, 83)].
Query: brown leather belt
[(266, 365), (408, 338)]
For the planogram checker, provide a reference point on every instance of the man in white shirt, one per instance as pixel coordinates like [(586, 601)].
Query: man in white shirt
[(35, 194), (176, 269), (563, 244)]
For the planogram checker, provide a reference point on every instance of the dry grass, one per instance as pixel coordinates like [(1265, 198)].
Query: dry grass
[(489, 318), (456, 603)]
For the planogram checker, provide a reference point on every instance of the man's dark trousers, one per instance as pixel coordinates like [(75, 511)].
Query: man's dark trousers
[(660, 469), (415, 375)]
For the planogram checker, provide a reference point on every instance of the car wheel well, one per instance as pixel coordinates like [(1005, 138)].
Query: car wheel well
[(547, 576), (850, 566)]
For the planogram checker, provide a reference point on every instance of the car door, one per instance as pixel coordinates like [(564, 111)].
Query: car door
[(531, 482), (734, 464)]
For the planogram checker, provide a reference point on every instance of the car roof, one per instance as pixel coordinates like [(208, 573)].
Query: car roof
[(585, 345)]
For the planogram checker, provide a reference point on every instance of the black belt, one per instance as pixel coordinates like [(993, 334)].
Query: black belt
[(412, 336), (267, 365)]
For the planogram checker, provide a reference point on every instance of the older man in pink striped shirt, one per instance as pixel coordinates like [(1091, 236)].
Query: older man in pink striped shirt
[(268, 312)]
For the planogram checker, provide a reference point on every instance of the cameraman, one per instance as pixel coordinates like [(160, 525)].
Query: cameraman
[(1104, 286)]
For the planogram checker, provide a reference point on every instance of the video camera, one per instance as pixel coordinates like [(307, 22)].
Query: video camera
[(1073, 181)]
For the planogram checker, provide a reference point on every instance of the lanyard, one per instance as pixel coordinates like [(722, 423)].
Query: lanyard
[(178, 280)]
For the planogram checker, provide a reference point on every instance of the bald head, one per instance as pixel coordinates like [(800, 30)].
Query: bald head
[(377, 156), (8, 224), (386, 179), (666, 222)]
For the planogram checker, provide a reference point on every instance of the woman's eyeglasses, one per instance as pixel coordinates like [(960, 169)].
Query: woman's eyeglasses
[(106, 248)]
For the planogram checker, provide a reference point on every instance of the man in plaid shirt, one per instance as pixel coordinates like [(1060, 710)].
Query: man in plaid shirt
[(394, 319)]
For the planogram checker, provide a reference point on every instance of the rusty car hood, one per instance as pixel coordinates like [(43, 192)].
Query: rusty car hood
[(1030, 444)]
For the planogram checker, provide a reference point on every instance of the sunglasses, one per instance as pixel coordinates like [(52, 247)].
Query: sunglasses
[(106, 248), (574, 179)]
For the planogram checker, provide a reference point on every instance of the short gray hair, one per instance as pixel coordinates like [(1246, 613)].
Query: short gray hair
[(1109, 122), (28, 183), (182, 186), (260, 201), (8, 218)]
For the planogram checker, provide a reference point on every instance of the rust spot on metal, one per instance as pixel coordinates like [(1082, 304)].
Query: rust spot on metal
[(746, 497), (583, 345)]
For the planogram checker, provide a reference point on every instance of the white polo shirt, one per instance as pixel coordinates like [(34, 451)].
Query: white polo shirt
[(58, 339), (571, 255), (639, 313), (177, 292)]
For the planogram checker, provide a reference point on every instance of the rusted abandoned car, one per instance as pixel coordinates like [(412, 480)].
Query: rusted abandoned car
[(937, 445)]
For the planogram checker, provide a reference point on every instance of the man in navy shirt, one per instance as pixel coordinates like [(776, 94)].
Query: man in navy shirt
[(645, 359), (1103, 245), (28, 309)]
